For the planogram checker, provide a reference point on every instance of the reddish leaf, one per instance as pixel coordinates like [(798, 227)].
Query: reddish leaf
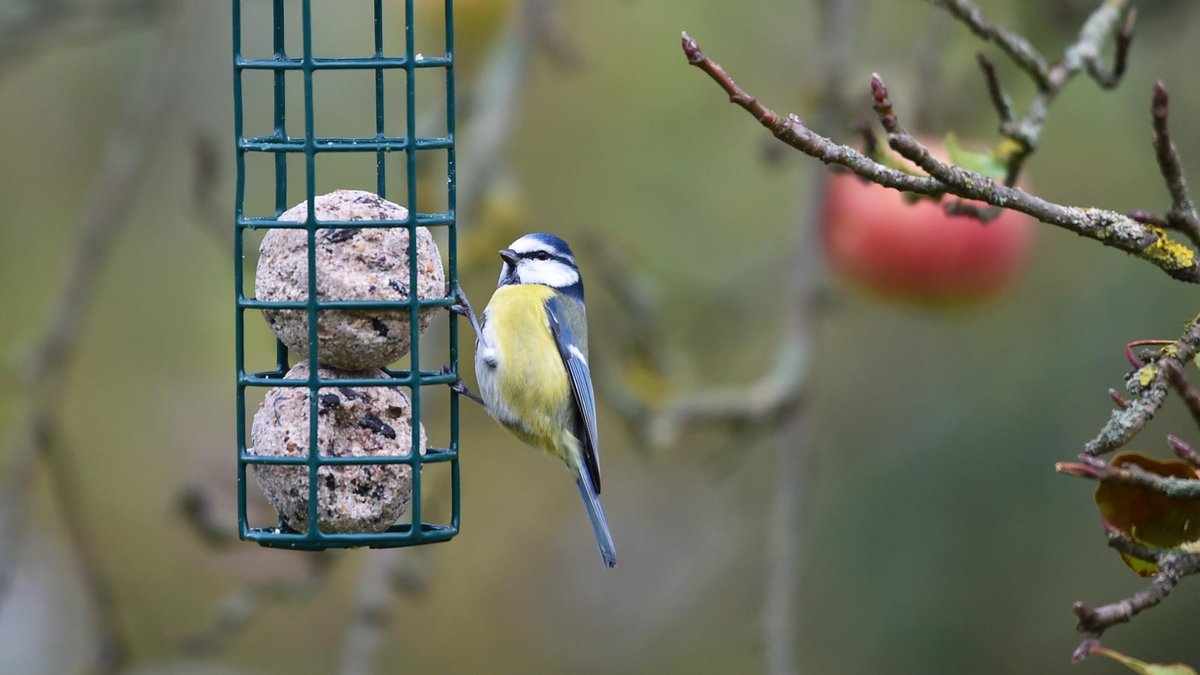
[(1145, 515)]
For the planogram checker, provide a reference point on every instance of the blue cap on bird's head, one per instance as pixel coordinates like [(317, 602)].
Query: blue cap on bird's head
[(541, 258), (542, 240)]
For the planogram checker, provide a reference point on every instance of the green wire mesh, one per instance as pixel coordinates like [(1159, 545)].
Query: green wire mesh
[(280, 144)]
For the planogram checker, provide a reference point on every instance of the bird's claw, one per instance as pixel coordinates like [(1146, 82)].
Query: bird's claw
[(463, 308), (460, 387), (462, 305)]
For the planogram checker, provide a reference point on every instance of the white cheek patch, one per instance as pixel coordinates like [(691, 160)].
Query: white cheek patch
[(547, 272)]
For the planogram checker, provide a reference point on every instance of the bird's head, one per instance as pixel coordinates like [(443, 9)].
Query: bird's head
[(544, 259)]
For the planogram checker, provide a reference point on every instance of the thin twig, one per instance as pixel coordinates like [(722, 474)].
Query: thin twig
[(1108, 79), (1108, 227), (1025, 133), (483, 157), (364, 632), (1017, 47), (798, 344), (1139, 233), (1148, 386), (1147, 218), (1188, 392), (39, 435), (1000, 100), (1094, 468), (549, 33), (1182, 215), (1184, 451), (1172, 566)]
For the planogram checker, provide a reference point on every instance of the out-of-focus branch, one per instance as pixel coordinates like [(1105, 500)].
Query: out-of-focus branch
[(39, 434), (385, 573), (769, 406), (1015, 46), (30, 26), (482, 166), (550, 33), (1148, 386), (837, 20), (1000, 100), (237, 609), (500, 93), (1111, 78), (194, 506), (1084, 53)]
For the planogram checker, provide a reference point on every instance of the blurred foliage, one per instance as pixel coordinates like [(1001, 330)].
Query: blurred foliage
[(939, 539)]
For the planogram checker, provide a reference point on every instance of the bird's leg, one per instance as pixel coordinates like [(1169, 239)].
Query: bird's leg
[(461, 387), (463, 308)]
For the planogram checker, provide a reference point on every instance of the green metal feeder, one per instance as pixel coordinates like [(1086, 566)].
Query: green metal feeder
[(413, 529)]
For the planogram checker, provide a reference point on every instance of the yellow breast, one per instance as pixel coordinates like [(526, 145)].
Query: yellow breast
[(530, 378)]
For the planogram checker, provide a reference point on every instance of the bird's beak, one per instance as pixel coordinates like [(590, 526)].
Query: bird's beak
[(509, 256)]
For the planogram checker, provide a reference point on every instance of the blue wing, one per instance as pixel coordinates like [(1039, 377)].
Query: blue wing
[(581, 389)]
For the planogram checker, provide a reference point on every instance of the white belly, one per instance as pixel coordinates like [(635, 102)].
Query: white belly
[(487, 372)]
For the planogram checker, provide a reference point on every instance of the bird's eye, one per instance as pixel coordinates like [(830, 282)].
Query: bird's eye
[(541, 255)]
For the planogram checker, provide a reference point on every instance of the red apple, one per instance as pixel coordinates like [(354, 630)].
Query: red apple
[(882, 243)]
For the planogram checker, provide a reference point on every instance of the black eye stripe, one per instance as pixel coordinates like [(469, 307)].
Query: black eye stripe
[(533, 255)]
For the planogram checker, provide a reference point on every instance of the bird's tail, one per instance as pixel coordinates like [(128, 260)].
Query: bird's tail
[(596, 515)]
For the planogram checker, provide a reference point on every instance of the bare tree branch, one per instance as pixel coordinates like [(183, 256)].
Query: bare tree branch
[(1182, 215), (1094, 468), (1108, 227), (39, 435), (236, 610), (1124, 37), (1000, 100), (1172, 566), (1023, 135), (1148, 386), (1015, 46), (1138, 233)]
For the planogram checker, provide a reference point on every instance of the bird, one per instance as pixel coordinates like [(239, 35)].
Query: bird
[(531, 363)]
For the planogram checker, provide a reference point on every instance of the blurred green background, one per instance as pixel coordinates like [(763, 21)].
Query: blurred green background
[(936, 535)]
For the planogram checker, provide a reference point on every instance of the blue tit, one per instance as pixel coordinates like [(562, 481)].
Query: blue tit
[(531, 360)]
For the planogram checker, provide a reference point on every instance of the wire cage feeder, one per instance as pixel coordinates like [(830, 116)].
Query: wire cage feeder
[(280, 145)]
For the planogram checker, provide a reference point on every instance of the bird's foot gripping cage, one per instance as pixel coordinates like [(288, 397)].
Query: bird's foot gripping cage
[(356, 405)]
